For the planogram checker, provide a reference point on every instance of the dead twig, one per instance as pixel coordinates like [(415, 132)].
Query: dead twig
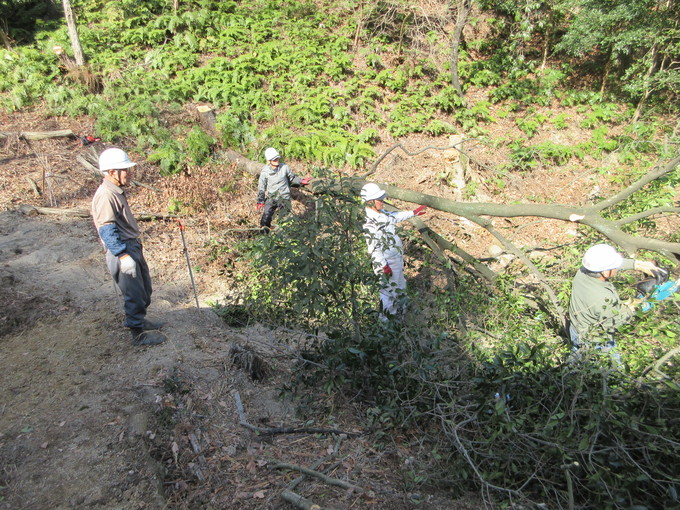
[(32, 210), (297, 500), (310, 472), (657, 364)]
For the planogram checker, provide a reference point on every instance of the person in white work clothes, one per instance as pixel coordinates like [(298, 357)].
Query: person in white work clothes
[(385, 246)]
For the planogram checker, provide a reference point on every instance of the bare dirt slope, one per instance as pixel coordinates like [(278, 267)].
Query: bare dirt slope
[(73, 385)]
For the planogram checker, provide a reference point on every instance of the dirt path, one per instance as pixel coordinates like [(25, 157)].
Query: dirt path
[(74, 388)]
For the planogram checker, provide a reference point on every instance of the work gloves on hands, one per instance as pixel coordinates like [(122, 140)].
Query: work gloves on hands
[(260, 206), (305, 181), (647, 267), (128, 265), (387, 270), (420, 210), (659, 276)]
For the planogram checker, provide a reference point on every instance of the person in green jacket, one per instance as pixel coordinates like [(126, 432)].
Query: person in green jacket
[(595, 309)]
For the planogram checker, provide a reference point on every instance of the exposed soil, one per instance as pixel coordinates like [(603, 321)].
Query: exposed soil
[(89, 421)]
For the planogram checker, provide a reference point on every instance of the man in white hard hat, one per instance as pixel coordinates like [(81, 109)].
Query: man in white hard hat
[(385, 246), (273, 187), (119, 233), (594, 306)]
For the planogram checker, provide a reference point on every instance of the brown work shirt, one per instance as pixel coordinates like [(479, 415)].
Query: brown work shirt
[(110, 205)]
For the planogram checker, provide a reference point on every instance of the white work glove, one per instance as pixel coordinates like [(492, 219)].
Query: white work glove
[(128, 265), (646, 267)]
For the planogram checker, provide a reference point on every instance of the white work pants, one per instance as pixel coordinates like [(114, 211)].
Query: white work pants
[(393, 288)]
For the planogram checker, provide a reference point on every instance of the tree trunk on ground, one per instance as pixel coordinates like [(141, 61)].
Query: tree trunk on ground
[(38, 135), (250, 167), (590, 215), (462, 12), (73, 33)]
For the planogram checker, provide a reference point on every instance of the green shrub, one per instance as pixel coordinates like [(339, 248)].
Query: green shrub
[(170, 157), (199, 146)]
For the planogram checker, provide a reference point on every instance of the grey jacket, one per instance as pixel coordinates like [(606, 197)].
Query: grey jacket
[(275, 183)]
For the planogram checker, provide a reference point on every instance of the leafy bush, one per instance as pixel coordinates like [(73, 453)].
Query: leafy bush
[(199, 146), (170, 157), (525, 158), (299, 274)]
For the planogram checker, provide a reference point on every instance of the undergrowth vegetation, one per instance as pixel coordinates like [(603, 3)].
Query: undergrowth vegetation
[(291, 74), (477, 371)]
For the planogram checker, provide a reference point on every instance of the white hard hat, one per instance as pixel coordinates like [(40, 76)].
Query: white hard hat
[(372, 191), (271, 153), (601, 257), (114, 159)]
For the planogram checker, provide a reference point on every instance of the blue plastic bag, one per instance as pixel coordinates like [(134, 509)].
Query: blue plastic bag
[(661, 292)]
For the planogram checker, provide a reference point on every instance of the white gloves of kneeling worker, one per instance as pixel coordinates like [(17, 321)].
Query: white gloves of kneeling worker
[(128, 265), (646, 267)]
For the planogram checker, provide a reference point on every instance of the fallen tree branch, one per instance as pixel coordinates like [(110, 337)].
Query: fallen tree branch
[(453, 430), (31, 210), (646, 214), (438, 245), (589, 215), (586, 215), (657, 364), (38, 135), (310, 472), (297, 500), (560, 313)]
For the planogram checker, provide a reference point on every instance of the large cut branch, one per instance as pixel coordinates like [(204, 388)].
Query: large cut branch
[(586, 215), (589, 215)]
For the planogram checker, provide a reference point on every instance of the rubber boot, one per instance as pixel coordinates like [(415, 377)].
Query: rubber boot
[(149, 325), (141, 337)]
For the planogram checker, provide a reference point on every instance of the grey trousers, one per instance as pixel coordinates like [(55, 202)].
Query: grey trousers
[(136, 291)]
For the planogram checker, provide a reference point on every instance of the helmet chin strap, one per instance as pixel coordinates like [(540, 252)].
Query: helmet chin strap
[(119, 181)]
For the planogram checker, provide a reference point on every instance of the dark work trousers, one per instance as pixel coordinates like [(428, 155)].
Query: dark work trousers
[(270, 207), (136, 291)]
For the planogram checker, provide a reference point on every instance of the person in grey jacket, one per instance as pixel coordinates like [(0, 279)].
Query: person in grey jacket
[(273, 188), (595, 309)]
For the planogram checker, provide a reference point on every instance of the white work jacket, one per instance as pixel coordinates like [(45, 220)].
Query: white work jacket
[(381, 236)]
